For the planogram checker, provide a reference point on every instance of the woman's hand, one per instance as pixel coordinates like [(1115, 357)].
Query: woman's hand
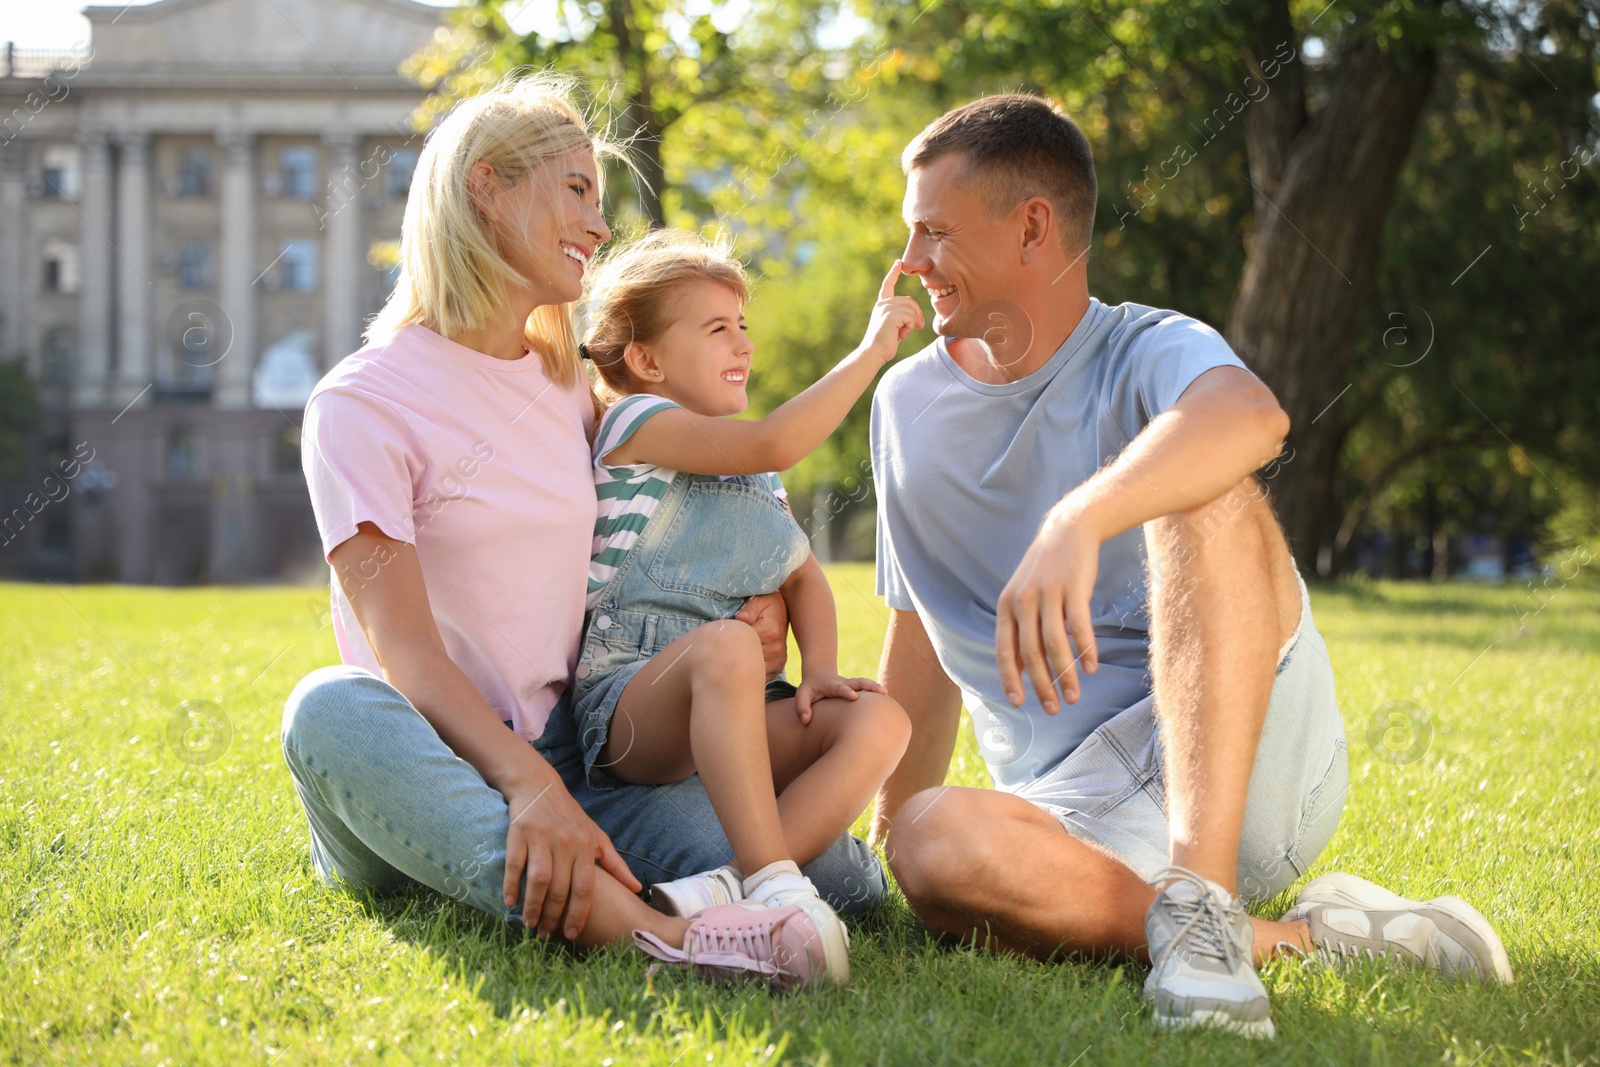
[(820, 685), (551, 851), (893, 318), (768, 616)]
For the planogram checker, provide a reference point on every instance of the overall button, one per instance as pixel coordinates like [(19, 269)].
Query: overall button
[(603, 622), (583, 670)]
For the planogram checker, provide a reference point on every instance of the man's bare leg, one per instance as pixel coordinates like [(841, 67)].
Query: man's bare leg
[(1224, 599), (988, 867)]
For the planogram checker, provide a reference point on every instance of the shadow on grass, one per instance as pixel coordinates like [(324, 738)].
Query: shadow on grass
[(917, 1000)]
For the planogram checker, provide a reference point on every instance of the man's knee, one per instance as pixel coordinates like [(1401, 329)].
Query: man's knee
[(1225, 522), (935, 843)]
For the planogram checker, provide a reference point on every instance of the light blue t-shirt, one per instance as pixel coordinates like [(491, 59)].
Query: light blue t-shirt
[(965, 473)]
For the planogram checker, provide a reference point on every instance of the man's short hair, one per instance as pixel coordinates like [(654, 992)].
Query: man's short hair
[(1017, 146)]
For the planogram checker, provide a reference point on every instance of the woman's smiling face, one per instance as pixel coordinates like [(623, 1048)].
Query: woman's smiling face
[(550, 225), (703, 358)]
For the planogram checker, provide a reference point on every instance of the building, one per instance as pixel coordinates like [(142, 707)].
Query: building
[(198, 213)]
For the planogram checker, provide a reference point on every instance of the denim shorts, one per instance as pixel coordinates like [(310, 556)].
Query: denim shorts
[(1111, 790), (710, 544)]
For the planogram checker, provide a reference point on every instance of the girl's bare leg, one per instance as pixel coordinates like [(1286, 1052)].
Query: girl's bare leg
[(698, 705), (827, 772)]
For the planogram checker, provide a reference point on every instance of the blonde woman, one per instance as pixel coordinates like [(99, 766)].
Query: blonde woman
[(448, 463)]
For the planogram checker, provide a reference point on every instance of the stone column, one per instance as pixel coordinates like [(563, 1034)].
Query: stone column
[(135, 283), (341, 222), (17, 264), (238, 269), (95, 255)]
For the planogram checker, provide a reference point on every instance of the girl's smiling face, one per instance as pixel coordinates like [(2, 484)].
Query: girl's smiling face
[(702, 360)]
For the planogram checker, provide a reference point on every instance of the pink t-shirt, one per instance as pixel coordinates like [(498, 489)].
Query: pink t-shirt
[(483, 465)]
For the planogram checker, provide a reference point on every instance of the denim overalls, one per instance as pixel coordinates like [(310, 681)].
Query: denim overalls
[(710, 543)]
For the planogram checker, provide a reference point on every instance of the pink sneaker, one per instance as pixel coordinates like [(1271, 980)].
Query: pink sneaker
[(780, 945)]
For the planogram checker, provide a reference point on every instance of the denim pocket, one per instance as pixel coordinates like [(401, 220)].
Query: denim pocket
[(728, 541)]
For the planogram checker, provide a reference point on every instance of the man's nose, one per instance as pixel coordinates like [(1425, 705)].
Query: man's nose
[(913, 260)]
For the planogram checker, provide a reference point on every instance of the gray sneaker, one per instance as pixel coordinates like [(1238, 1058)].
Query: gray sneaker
[(1201, 972), (1350, 918)]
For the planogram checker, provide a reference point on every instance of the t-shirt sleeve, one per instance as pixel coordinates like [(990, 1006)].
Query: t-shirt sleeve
[(1169, 357), (358, 456), (891, 580), (623, 419)]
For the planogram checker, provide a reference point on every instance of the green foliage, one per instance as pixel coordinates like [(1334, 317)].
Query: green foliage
[(158, 910), (793, 147), (19, 414)]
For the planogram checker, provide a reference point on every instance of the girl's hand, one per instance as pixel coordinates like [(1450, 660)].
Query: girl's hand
[(822, 685), (892, 319)]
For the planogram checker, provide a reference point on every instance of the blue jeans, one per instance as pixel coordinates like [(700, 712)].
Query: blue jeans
[(391, 805)]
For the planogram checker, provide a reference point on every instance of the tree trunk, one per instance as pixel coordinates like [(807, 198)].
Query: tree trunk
[(1323, 185), (643, 132)]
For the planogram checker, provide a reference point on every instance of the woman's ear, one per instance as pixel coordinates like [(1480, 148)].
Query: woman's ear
[(642, 363), (483, 185)]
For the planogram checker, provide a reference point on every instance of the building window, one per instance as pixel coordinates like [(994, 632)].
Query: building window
[(298, 266), (60, 357), (194, 172), (397, 179), (286, 451), (298, 172), (60, 172), (60, 266), (195, 266), (183, 454)]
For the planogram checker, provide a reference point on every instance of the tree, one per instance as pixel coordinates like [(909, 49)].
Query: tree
[(19, 414)]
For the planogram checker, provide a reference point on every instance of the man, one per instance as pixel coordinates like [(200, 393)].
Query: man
[(1067, 492)]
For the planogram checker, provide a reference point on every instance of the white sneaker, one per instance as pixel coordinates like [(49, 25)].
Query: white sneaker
[(687, 897), (779, 885), (1201, 971), (1351, 918)]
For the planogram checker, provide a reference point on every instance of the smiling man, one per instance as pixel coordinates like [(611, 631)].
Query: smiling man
[(1067, 495)]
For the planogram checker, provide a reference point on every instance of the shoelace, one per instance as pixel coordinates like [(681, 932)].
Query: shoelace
[(1205, 921), (718, 946)]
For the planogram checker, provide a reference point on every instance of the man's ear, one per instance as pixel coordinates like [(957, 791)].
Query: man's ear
[(484, 186), (1038, 219), (642, 363)]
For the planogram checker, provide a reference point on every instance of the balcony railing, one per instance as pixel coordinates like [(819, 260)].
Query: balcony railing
[(36, 62)]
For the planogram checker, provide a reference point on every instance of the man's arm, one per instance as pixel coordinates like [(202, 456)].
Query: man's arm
[(1226, 425), (913, 678)]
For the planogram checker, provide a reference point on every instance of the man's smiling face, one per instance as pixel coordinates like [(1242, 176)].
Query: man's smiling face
[(965, 257)]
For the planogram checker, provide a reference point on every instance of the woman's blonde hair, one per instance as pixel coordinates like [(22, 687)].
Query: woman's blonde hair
[(633, 296), (452, 271)]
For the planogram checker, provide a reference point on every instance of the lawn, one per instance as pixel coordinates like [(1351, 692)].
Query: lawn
[(159, 905)]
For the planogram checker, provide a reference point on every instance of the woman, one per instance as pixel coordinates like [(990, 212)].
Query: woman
[(448, 463)]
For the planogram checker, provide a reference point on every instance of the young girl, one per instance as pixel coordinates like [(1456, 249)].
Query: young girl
[(690, 524)]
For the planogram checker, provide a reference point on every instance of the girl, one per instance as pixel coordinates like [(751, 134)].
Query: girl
[(448, 464), (689, 525)]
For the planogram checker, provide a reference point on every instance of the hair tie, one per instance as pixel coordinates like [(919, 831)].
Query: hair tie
[(583, 353)]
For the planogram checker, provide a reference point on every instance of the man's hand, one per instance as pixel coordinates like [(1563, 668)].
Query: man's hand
[(551, 851), (1046, 599), (768, 615)]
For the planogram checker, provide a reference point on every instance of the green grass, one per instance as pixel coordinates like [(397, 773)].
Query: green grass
[(157, 910)]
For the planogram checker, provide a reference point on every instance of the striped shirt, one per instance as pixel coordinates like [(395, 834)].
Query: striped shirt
[(628, 494)]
